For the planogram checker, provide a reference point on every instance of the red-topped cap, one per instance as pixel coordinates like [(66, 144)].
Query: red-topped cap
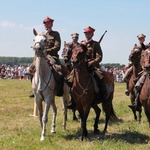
[(47, 19), (89, 29)]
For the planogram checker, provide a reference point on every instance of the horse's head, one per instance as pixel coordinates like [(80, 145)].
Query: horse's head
[(135, 55), (66, 54), (40, 42), (146, 59), (78, 55)]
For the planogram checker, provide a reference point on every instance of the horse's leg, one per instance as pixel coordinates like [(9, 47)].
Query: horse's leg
[(132, 97), (54, 109), (40, 108), (147, 113), (81, 112), (85, 116), (97, 112), (74, 115), (139, 115), (107, 111), (45, 119), (64, 107)]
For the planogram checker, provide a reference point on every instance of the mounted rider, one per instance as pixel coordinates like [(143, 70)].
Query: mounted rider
[(71, 45), (52, 47), (75, 38), (140, 82), (94, 56), (129, 67)]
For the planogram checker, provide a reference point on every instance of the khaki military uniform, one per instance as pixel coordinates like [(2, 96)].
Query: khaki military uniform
[(94, 53), (53, 43), (129, 70)]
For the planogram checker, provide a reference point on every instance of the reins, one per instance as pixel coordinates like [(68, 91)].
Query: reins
[(88, 86), (50, 65)]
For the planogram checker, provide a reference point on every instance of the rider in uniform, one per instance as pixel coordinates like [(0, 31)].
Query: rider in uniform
[(72, 45), (129, 67), (52, 47), (94, 56), (141, 78)]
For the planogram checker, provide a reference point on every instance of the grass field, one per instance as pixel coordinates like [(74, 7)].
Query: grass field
[(19, 131)]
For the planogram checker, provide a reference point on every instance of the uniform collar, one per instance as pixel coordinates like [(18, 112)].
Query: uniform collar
[(89, 40), (49, 30)]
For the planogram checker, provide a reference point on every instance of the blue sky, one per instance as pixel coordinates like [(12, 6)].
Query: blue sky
[(123, 20)]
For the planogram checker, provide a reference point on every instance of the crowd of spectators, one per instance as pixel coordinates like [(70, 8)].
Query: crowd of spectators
[(15, 72), (20, 72)]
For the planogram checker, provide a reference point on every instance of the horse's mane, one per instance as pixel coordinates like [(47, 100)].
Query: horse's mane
[(84, 47), (142, 60)]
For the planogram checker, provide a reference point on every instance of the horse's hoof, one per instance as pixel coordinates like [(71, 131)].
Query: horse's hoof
[(81, 138), (75, 119), (53, 131), (96, 131), (104, 132), (42, 138)]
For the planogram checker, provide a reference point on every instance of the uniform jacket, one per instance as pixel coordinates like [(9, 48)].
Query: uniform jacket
[(94, 53), (54, 43)]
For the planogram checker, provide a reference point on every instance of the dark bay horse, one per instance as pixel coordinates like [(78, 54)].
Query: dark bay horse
[(135, 57), (66, 54), (83, 92), (145, 91)]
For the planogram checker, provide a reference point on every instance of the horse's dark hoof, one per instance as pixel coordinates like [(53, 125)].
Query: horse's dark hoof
[(96, 131), (127, 93), (104, 132), (75, 119), (31, 95)]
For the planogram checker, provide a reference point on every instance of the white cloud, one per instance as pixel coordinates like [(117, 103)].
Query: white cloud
[(7, 24)]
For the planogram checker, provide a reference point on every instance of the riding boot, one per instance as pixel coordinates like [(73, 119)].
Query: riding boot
[(135, 104), (59, 86)]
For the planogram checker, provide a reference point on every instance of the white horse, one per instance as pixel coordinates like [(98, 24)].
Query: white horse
[(44, 86)]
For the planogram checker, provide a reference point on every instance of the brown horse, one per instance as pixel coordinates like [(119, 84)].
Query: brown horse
[(145, 91), (135, 57), (66, 54), (83, 91)]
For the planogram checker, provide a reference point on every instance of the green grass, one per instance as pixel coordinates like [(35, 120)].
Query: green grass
[(19, 131)]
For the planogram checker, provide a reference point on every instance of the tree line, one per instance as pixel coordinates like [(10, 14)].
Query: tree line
[(16, 61), (28, 60)]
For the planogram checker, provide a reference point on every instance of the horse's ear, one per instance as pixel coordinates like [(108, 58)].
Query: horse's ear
[(64, 42), (83, 46), (35, 32)]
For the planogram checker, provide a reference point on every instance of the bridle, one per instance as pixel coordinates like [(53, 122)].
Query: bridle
[(41, 52), (80, 66)]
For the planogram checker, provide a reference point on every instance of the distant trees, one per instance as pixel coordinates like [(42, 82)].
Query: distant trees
[(113, 65), (16, 60), (28, 60)]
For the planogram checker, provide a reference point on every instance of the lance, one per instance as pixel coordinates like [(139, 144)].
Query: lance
[(102, 37)]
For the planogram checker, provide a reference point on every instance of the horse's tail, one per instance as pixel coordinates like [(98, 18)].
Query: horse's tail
[(113, 116), (110, 110)]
